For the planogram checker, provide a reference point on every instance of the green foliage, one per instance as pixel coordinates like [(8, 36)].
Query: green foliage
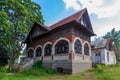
[(3, 57), (4, 69), (109, 72), (90, 70), (118, 49), (38, 64), (50, 71), (38, 67), (115, 37), (16, 18), (99, 69)]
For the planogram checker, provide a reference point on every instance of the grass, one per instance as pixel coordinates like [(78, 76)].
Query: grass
[(111, 72)]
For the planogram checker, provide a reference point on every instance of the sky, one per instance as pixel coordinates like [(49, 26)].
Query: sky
[(104, 14)]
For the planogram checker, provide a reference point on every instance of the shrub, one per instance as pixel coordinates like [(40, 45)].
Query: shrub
[(4, 69), (38, 70), (114, 65), (38, 64), (91, 70), (99, 69), (106, 77), (50, 71)]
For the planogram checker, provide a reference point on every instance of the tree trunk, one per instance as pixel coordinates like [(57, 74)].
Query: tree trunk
[(11, 62)]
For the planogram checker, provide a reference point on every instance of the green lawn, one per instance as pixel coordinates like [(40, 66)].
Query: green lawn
[(111, 72)]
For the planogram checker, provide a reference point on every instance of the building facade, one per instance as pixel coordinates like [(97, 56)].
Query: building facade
[(103, 52), (64, 46)]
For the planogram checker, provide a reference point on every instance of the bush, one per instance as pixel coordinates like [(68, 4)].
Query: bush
[(50, 71), (106, 77), (38, 70), (38, 64), (114, 65), (91, 70), (4, 69), (99, 69)]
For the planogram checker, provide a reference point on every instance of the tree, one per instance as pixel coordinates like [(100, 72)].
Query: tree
[(16, 18), (115, 37), (3, 57)]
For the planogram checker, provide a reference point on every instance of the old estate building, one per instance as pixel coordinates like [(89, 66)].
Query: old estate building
[(103, 52), (64, 46)]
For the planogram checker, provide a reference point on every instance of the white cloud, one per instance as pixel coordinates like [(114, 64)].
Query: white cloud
[(102, 26), (107, 12), (98, 7), (72, 4)]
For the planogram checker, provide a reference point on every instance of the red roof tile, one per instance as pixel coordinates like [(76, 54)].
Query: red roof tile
[(75, 16)]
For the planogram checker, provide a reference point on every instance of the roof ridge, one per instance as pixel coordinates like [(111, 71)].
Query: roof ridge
[(68, 17), (43, 25)]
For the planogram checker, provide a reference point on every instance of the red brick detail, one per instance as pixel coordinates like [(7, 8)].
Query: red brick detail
[(53, 41), (70, 37), (71, 56), (42, 44), (73, 37)]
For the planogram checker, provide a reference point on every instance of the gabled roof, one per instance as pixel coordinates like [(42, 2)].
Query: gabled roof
[(75, 16), (34, 26), (100, 43), (40, 25)]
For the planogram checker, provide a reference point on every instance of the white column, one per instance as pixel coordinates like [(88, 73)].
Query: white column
[(53, 50), (43, 52), (71, 47), (90, 50), (82, 49)]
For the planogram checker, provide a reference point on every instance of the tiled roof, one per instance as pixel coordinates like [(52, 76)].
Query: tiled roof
[(100, 42), (75, 16), (43, 26)]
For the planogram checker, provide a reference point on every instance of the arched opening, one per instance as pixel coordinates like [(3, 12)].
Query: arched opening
[(78, 47), (59, 70), (62, 47), (38, 52), (30, 53), (86, 49), (48, 49)]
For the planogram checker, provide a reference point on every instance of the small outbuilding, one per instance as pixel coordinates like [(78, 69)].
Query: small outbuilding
[(103, 51)]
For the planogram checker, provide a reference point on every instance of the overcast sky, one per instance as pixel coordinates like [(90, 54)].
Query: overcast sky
[(104, 14)]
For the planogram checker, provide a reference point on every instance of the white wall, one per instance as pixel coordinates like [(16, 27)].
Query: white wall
[(104, 59), (112, 58)]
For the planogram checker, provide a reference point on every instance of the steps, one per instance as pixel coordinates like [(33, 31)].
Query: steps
[(27, 64)]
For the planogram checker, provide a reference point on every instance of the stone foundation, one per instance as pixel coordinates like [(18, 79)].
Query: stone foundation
[(78, 66), (68, 66)]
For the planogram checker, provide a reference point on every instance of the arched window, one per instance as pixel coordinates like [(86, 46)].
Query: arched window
[(78, 47), (83, 22), (61, 47), (86, 49), (38, 52), (48, 50), (30, 53)]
